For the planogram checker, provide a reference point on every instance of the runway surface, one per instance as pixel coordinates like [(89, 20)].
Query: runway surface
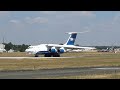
[(56, 73), (32, 57)]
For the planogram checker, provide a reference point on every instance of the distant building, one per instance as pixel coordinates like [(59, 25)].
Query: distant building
[(11, 50), (2, 46)]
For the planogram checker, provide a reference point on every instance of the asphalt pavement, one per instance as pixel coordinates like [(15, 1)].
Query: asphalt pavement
[(56, 73)]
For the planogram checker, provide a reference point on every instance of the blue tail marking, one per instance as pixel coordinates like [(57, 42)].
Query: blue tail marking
[(71, 39)]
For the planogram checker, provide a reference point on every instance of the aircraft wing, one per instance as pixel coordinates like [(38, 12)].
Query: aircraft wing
[(68, 46)]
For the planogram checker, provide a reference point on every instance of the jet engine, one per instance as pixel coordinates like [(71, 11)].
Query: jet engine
[(61, 50), (53, 50)]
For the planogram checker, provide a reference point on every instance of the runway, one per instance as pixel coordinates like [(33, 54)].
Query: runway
[(56, 73), (32, 57)]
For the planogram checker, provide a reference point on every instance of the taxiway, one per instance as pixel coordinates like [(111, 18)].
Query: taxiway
[(56, 73), (32, 57)]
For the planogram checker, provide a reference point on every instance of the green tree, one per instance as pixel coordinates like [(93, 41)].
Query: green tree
[(77, 45), (8, 46), (16, 48), (61, 44)]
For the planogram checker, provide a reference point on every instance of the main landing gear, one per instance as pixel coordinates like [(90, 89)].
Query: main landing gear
[(49, 55), (53, 54), (36, 55)]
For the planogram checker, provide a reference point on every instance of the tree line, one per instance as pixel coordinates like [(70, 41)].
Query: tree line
[(16, 48)]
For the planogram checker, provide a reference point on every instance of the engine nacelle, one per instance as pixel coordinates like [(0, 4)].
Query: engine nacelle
[(53, 50), (61, 50)]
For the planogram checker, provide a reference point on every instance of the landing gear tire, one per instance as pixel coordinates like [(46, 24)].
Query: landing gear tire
[(48, 55), (36, 55), (56, 55)]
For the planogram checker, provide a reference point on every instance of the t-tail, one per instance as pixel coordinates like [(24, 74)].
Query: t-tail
[(71, 39)]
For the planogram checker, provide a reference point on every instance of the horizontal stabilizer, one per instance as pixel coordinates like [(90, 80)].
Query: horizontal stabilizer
[(77, 32)]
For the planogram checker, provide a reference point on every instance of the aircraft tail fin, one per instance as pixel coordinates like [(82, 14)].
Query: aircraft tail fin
[(71, 39)]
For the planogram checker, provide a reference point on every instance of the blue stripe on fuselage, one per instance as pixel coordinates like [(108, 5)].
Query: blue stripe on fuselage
[(43, 52)]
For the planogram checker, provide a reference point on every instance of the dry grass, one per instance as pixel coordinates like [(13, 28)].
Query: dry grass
[(14, 54), (85, 60)]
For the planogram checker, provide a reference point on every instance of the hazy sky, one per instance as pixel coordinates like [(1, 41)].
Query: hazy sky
[(36, 27)]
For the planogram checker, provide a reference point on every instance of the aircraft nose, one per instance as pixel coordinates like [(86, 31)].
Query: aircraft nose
[(29, 51), (26, 50)]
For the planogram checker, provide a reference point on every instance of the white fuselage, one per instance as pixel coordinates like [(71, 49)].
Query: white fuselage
[(46, 47), (36, 48), (55, 49)]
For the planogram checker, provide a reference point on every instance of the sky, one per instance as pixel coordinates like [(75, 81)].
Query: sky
[(43, 27)]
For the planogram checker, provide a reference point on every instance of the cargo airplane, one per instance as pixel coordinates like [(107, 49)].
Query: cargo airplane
[(55, 50)]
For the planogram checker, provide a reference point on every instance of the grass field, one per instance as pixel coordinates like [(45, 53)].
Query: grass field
[(84, 59)]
